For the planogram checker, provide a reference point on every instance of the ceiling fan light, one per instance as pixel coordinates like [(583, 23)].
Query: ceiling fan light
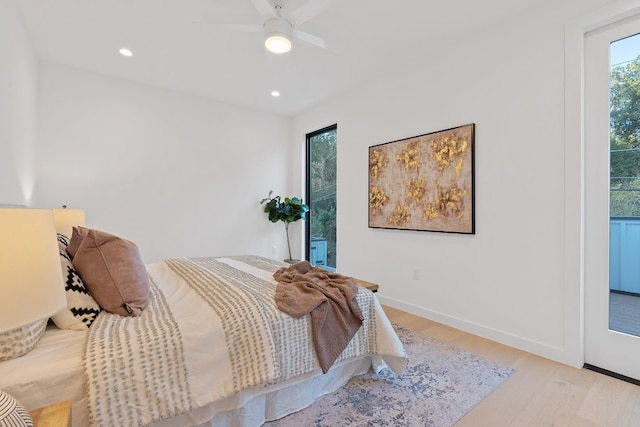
[(277, 43), (278, 35)]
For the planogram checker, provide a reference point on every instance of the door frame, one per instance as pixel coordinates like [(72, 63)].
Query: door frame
[(307, 225), (607, 349), (574, 169)]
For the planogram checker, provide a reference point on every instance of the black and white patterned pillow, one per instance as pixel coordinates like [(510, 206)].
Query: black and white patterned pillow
[(81, 308), (63, 240)]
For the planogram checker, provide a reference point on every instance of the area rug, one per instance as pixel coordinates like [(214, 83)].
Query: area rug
[(439, 386)]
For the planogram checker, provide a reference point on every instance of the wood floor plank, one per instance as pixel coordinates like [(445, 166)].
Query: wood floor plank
[(578, 421), (541, 392), (612, 402), (555, 404)]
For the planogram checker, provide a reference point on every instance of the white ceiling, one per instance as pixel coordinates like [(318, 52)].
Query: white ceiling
[(174, 49)]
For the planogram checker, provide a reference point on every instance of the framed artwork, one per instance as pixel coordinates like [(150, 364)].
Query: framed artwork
[(424, 183)]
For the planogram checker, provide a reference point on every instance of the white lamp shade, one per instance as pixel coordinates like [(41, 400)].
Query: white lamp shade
[(31, 285), (66, 219)]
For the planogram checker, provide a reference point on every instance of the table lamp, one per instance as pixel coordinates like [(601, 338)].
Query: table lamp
[(66, 219), (31, 290)]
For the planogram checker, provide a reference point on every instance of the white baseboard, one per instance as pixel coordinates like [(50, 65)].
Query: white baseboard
[(541, 349)]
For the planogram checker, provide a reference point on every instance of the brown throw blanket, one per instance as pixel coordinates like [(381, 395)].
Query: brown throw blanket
[(330, 298)]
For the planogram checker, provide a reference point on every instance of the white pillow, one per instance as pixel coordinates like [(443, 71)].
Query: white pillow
[(19, 341)]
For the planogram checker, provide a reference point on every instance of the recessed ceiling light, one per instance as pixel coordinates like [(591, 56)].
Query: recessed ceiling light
[(126, 52), (275, 93)]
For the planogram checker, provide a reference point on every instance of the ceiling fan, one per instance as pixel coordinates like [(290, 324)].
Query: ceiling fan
[(280, 25)]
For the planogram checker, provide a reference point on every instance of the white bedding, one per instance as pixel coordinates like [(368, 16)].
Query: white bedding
[(33, 380), (50, 373), (53, 371)]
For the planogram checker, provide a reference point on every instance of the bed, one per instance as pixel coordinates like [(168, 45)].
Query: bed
[(210, 349)]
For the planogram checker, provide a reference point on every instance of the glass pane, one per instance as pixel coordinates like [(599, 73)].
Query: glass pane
[(624, 208), (322, 198)]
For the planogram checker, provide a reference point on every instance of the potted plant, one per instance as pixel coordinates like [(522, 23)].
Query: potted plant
[(287, 211)]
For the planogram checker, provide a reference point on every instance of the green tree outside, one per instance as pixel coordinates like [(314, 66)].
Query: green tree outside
[(625, 139), (322, 200)]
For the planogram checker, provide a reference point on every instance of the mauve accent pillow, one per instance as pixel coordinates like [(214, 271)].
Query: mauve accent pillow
[(77, 236), (113, 271)]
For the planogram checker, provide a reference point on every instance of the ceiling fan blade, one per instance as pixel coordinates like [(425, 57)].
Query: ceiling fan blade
[(308, 10), (243, 28), (264, 8), (309, 38), (240, 28), (227, 18)]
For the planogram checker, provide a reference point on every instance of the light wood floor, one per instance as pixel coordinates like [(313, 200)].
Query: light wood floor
[(541, 392)]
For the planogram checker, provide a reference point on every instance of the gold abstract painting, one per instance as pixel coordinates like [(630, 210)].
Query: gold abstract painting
[(424, 182)]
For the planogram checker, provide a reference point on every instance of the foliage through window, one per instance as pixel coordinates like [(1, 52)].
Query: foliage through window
[(625, 133), (321, 197)]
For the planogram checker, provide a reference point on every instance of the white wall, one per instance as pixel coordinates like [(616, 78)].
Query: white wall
[(18, 108), (182, 176), (506, 282), (178, 175)]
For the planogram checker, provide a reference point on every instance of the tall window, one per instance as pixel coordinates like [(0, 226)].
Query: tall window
[(321, 197)]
